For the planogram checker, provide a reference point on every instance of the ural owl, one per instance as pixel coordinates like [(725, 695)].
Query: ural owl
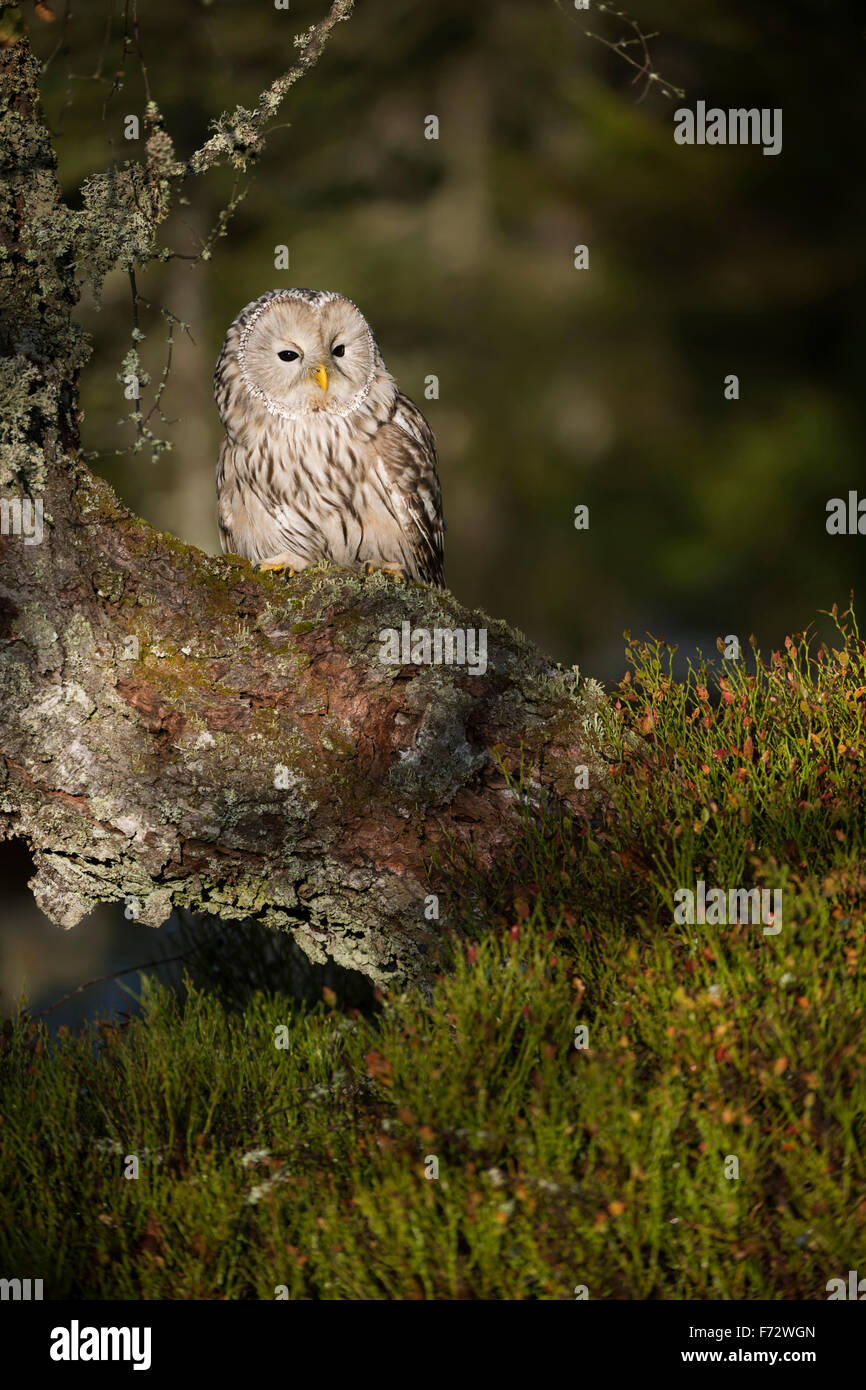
[(324, 458)]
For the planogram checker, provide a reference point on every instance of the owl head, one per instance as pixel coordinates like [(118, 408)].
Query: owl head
[(304, 352)]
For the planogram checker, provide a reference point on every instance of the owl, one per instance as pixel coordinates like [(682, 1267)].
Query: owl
[(324, 457)]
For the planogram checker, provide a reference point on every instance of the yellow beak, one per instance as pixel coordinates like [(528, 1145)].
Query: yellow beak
[(322, 377)]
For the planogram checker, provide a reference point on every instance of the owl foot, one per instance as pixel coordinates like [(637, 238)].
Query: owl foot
[(275, 567), (386, 569)]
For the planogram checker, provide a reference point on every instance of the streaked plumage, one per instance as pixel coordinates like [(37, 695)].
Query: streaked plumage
[(324, 458)]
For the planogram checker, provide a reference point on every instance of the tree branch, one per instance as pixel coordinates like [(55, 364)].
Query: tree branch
[(238, 137), (181, 732)]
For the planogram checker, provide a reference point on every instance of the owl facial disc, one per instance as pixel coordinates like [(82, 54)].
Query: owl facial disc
[(307, 353)]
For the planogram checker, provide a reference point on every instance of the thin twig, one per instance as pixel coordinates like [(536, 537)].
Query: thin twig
[(141, 64), (101, 980), (644, 68)]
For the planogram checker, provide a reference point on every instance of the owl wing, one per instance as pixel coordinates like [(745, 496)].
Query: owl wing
[(227, 496), (245, 518), (407, 458)]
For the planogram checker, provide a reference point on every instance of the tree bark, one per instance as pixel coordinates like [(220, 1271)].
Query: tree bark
[(177, 731)]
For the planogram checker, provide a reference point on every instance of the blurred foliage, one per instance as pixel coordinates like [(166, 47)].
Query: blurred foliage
[(558, 386)]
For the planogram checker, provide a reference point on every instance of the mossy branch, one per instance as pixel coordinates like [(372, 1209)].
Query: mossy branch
[(181, 732)]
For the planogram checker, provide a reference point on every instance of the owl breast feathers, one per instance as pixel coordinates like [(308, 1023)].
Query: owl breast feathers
[(324, 458)]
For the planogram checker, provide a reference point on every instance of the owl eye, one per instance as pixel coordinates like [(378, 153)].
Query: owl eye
[(287, 355), (338, 351)]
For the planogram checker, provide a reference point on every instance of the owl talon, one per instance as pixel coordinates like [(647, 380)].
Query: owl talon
[(274, 567), (386, 569)]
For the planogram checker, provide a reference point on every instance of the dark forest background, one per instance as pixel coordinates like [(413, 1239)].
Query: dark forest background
[(557, 386)]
